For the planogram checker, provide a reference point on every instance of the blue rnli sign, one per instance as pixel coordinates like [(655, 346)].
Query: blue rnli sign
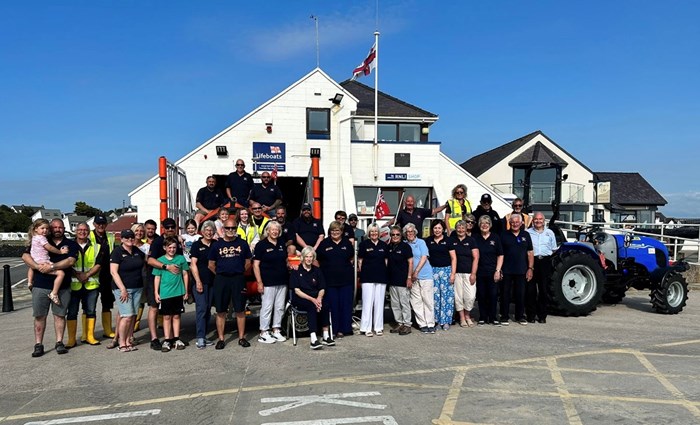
[(265, 152)]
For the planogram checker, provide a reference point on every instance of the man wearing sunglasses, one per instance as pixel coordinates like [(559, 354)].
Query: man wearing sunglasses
[(267, 194), (517, 208), (99, 236), (239, 184), (168, 228), (229, 258)]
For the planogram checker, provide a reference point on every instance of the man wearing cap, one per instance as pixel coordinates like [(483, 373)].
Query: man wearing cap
[(359, 233), (169, 228), (308, 230), (99, 236), (484, 208), (208, 198), (239, 184), (43, 284), (411, 214), (267, 194), (229, 258)]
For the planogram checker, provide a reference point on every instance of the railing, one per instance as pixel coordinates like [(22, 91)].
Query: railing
[(543, 193), (679, 247), (178, 198)]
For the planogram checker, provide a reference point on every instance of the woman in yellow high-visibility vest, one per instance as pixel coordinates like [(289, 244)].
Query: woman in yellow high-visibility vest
[(458, 207)]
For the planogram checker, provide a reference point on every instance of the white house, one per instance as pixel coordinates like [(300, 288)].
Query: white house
[(316, 112)]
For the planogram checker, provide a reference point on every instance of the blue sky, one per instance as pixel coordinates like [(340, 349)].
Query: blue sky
[(93, 92)]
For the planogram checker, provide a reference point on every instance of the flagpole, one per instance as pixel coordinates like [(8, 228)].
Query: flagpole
[(376, 104)]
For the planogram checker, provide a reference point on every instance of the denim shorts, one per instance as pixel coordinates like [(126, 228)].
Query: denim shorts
[(128, 308)]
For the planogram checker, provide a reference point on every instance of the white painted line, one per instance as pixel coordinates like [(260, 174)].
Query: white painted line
[(20, 282), (95, 418), (385, 420), (299, 401)]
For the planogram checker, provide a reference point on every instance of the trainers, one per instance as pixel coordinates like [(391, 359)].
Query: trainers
[(208, 343), (266, 338), (523, 322), (405, 330), (156, 345), (425, 330), (446, 327), (165, 347), (201, 345), (278, 336), (396, 329), (480, 323), (496, 323), (431, 329), (243, 343), (220, 344), (61, 348), (504, 323), (38, 350), (315, 345), (179, 345), (328, 341), (379, 333)]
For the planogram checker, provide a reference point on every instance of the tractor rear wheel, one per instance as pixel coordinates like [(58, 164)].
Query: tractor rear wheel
[(577, 284), (670, 296)]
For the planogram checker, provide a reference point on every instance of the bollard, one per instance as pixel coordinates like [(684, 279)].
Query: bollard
[(7, 304)]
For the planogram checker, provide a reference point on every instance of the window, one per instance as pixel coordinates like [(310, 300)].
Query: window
[(392, 132), (318, 123), (542, 184)]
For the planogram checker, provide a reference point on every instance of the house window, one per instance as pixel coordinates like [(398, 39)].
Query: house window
[(318, 123), (402, 132), (542, 184)]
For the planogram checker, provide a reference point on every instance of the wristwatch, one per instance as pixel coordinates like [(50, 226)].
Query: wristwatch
[(164, 266)]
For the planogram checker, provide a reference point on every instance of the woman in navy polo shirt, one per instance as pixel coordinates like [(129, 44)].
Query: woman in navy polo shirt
[(371, 266), (400, 266), (126, 267), (270, 268), (441, 254), (467, 265), (335, 255), (489, 272), (309, 287)]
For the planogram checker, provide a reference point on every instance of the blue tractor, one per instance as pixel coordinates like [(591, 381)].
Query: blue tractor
[(602, 266)]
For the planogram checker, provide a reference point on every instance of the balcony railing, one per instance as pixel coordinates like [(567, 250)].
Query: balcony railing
[(543, 193)]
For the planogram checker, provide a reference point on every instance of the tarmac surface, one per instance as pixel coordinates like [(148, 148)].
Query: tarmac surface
[(622, 364)]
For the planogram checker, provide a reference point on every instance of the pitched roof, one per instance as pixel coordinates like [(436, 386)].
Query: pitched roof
[(479, 164), (538, 153), (389, 106), (630, 189), (122, 223)]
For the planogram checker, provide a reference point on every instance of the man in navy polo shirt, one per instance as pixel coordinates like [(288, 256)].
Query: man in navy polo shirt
[(287, 234), (267, 194), (239, 184), (43, 284), (208, 198), (518, 263), (229, 258), (307, 229), (411, 214)]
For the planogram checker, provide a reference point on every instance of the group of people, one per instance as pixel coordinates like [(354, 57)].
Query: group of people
[(470, 257)]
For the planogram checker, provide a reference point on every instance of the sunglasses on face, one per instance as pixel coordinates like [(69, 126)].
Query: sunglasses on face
[(459, 192), (240, 165), (256, 208), (470, 222), (518, 206), (230, 228), (169, 227), (395, 234)]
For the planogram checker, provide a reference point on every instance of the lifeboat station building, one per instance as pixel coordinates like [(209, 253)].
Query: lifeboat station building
[(336, 122)]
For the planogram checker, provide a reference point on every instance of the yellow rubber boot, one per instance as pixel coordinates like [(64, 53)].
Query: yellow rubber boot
[(83, 331), (137, 324), (107, 324), (91, 332), (72, 326)]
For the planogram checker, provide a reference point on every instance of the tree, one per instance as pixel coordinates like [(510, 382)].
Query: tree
[(81, 208), (11, 221)]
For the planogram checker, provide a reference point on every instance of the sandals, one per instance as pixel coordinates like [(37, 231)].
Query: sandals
[(54, 298), (113, 344)]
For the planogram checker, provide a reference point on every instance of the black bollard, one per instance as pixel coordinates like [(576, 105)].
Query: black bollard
[(7, 304)]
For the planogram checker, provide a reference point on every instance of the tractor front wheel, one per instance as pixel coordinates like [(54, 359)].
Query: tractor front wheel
[(577, 284), (670, 296)]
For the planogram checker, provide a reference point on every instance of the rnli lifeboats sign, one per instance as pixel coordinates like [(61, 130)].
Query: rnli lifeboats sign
[(267, 155)]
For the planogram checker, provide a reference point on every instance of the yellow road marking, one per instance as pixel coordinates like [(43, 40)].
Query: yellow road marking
[(453, 390)]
